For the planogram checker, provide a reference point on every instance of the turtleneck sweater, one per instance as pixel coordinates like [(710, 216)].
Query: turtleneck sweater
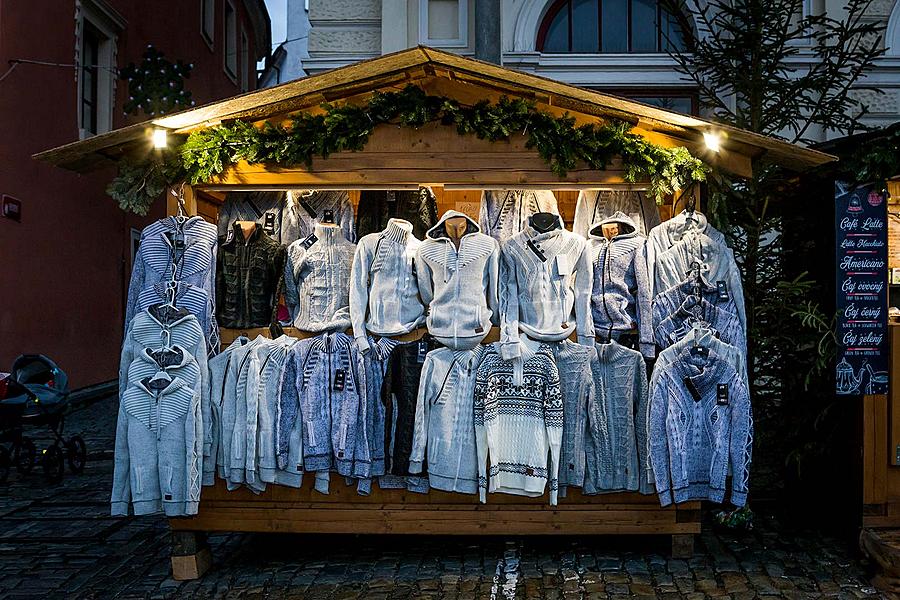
[(317, 280), (701, 429), (384, 293)]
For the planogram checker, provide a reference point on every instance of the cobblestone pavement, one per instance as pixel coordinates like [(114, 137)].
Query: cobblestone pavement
[(60, 542)]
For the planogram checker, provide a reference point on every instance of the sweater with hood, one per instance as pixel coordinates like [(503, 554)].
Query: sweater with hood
[(384, 292), (620, 298), (595, 205), (545, 288), (311, 206), (159, 436), (317, 280), (505, 213), (190, 297), (459, 286)]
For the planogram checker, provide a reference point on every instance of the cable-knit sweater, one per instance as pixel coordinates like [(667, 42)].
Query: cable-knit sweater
[(311, 206), (272, 210), (375, 363), (459, 286), (618, 422), (384, 292), (518, 422), (577, 385), (701, 428), (675, 326), (504, 213), (444, 426), (545, 288), (317, 280), (212, 409), (669, 302), (704, 337), (620, 298), (668, 233), (595, 205)]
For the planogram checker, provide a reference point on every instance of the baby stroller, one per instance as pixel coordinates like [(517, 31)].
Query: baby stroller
[(36, 394)]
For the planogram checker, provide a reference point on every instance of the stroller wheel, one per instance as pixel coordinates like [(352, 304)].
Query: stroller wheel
[(53, 463), (4, 464), (24, 456), (76, 453)]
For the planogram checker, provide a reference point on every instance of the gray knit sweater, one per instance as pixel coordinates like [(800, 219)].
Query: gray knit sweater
[(505, 213), (317, 280), (384, 292), (577, 385), (212, 409), (459, 287), (311, 205), (701, 429), (695, 310), (595, 205), (545, 288), (620, 299)]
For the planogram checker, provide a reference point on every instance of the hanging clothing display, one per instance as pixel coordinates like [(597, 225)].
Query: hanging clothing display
[(458, 285), (384, 291), (375, 364), (518, 422), (668, 233), (618, 458), (670, 301), (273, 211), (444, 436), (706, 337), (701, 429), (620, 296), (189, 297), (545, 287), (249, 274), (505, 213), (212, 409), (594, 206), (311, 206), (699, 310), (377, 207), (577, 386), (317, 280)]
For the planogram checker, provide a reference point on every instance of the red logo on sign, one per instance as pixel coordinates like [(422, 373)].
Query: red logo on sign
[(875, 198)]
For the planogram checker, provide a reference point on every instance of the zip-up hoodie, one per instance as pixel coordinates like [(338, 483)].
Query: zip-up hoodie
[(384, 292), (159, 436), (620, 299), (444, 422), (190, 297), (459, 287), (317, 280), (595, 205), (212, 409), (311, 206), (505, 213), (545, 288)]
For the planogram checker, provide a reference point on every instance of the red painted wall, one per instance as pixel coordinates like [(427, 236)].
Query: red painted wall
[(64, 269)]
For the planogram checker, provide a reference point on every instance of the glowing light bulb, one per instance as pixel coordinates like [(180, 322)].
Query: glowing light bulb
[(160, 138), (713, 140)]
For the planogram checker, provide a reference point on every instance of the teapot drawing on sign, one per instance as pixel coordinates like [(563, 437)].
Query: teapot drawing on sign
[(847, 381), (877, 381)]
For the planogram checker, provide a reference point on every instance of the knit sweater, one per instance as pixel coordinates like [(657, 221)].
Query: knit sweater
[(190, 243), (618, 422), (190, 297), (545, 288), (212, 403), (669, 302), (706, 338), (505, 213), (694, 310), (377, 207), (577, 385), (595, 205), (459, 286), (700, 429), (273, 211), (324, 385), (518, 422), (311, 206), (375, 363), (159, 436), (668, 233), (620, 298), (384, 293), (399, 394), (444, 429), (317, 280)]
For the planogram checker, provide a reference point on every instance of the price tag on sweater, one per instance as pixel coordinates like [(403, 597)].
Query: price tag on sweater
[(269, 223), (722, 290), (722, 394), (309, 241), (421, 351), (340, 380)]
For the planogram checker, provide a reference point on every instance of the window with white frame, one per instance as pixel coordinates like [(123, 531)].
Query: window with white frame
[(246, 67), (444, 22), (230, 45), (208, 20), (97, 29)]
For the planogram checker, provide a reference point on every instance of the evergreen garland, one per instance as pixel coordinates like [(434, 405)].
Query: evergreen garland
[(208, 152)]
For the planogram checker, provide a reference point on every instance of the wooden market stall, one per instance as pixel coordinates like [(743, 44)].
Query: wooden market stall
[(458, 167)]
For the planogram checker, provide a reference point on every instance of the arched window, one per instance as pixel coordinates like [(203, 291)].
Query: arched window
[(621, 26)]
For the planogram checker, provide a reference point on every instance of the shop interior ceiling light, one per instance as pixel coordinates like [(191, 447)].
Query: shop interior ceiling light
[(713, 140), (160, 138)]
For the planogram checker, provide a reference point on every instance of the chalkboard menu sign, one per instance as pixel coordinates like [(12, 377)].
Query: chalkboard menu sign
[(862, 289)]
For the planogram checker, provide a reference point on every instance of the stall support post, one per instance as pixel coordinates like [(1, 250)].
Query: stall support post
[(683, 545), (191, 557)]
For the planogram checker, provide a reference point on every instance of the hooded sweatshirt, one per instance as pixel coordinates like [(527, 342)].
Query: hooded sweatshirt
[(317, 280), (505, 213), (273, 211), (311, 206), (459, 286), (620, 299), (159, 436), (384, 292), (545, 288), (595, 205)]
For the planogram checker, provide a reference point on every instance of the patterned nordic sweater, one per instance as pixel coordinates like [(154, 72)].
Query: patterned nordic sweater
[(701, 429), (518, 421)]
